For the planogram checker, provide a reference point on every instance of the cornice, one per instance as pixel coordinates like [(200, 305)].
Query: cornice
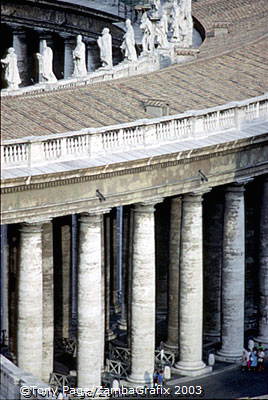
[(148, 164)]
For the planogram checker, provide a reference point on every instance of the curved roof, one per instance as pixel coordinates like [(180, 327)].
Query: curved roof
[(229, 67)]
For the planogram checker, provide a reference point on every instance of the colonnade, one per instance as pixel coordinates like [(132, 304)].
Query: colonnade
[(185, 295), (26, 43)]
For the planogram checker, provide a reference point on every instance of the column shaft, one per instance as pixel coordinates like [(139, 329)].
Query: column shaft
[(174, 265), (89, 302), (66, 279), (4, 280), (263, 271), (233, 275), (48, 302), (20, 46), (143, 296), (68, 57), (213, 236), (30, 307), (191, 288)]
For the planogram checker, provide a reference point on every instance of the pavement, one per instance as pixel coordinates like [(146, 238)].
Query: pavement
[(225, 382)]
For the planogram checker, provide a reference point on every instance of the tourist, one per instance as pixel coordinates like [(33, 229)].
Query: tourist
[(245, 360), (260, 355), (155, 377), (251, 344), (253, 360), (160, 379)]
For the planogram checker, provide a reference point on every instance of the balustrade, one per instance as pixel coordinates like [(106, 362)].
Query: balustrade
[(91, 143)]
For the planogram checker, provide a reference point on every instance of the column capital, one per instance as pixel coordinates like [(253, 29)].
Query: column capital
[(196, 196), (238, 185), (93, 214), (148, 205), (17, 29), (67, 37), (34, 226)]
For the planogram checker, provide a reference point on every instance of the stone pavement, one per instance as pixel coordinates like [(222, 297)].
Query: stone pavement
[(225, 382)]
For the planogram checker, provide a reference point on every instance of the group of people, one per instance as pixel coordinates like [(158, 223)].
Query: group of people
[(253, 357), (158, 377)]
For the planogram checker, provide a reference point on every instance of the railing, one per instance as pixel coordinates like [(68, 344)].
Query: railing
[(66, 345), (117, 368), (57, 380), (91, 143)]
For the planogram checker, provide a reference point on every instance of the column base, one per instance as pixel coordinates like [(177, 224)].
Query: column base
[(171, 347), (227, 357), (122, 324), (191, 369), (262, 339), (136, 381), (110, 335)]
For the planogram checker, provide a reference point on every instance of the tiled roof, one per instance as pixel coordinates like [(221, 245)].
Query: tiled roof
[(228, 68)]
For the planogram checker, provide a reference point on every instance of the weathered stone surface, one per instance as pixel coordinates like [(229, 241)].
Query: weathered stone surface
[(213, 235), (174, 272), (143, 296), (263, 272), (89, 302), (48, 301), (30, 300), (191, 288), (233, 275)]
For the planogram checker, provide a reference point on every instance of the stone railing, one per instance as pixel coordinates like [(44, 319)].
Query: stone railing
[(142, 134), (18, 384)]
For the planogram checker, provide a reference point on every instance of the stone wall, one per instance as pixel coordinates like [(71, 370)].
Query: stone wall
[(13, 379)]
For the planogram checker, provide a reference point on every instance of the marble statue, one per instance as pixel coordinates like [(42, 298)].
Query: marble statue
[(128, 45), (12, 75), (45, 59), (79, 57), (186, 7), (161, 32), (182, 23), (105, 45), (148, 34), (175, 21)]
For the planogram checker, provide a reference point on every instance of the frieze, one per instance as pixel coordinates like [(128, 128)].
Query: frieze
[(230, 148), (58, 18)]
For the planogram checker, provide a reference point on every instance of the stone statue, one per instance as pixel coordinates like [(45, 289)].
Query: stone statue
[(182, 23), (128, 45), (161, 32), (148, 34), (45, 60), (175, 21), (79, 57), (105, 45), (12, 76)]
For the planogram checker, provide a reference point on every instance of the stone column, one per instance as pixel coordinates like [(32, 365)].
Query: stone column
[(93, 55), (20, 46), (69, 45), (48, 302), (4, 280), (191, 288), (143, 295), (233, 275), (66, 279), (74, 253), (263, 272), (108, 254), (30, 300), (213, 235), (89, 301), (174, 265)]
